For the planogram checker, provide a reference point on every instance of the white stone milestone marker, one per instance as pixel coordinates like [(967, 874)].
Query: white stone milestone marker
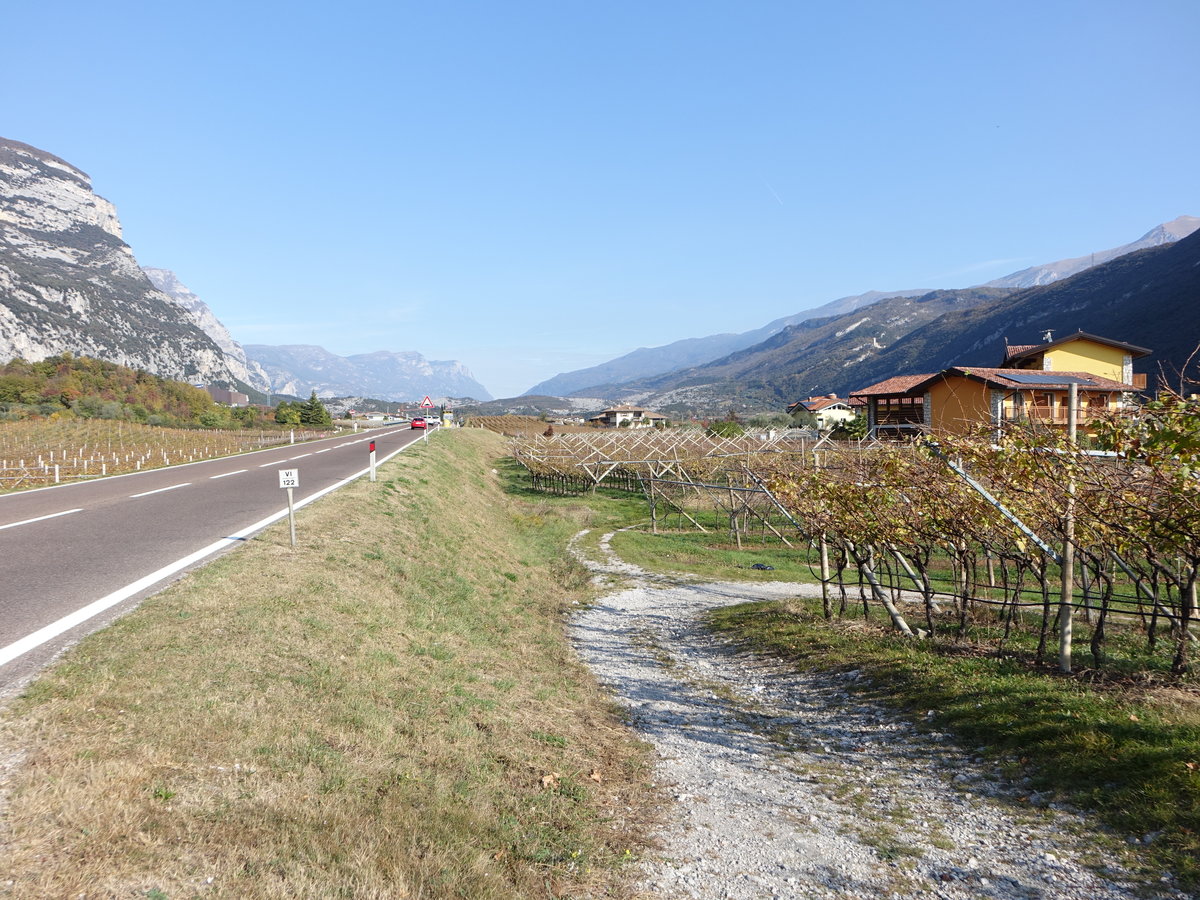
[(290, 478)]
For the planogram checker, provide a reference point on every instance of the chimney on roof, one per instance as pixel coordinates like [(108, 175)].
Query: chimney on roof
[(1048, 336)]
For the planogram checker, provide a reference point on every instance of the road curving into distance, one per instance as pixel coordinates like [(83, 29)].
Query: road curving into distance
[(73, 557)]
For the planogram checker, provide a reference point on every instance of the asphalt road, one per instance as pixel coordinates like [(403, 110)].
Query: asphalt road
[(73, 557)]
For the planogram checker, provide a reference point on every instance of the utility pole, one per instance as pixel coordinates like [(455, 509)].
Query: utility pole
[(1066, 600)]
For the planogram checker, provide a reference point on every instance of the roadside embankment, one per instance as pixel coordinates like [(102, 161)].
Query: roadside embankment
[(389, 710)]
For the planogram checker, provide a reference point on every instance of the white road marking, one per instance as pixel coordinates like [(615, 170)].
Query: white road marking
[(326, 450), (65, 512), (301, 456), (160, 490), (264, 465), (226, 474), (66, 623)]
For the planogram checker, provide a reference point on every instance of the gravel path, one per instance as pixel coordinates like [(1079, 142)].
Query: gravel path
[(788, 785)]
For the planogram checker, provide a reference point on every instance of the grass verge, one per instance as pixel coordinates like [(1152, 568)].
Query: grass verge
[(390, 710)]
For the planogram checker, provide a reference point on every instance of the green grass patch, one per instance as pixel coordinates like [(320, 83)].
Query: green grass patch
[(714, 557), (1128, 751)]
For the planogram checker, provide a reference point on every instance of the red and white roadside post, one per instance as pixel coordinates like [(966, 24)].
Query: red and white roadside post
[(372, 460)]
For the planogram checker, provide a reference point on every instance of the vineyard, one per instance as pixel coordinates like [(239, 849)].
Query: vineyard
[(1032, 545), (35, 453), (523, 426)]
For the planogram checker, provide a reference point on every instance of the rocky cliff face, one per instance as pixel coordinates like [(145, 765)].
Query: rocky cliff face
[(168, 282), (68, 282)]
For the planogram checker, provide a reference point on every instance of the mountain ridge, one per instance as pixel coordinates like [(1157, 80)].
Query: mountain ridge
[(808, 358), (168, 282), (382, 374), (1047, 273), (1147, 298), (649, 361), (639, 366)]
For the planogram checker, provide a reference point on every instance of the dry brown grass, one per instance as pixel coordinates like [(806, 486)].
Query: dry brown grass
[(391, 710)]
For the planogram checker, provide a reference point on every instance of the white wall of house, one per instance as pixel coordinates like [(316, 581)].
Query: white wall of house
[(832, 416)]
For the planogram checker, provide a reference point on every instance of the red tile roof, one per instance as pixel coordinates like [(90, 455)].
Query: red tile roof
[(816, 404), (997, 377), (897, 384), (824, 403), (1011, 350)]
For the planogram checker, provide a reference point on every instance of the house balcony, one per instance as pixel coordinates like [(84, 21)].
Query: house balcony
[(898, 420), (904, 417), (1052, 416)]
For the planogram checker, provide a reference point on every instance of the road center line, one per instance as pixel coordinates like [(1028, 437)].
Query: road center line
[(65, 512), (301, 456), (226, 474), (160, 490)]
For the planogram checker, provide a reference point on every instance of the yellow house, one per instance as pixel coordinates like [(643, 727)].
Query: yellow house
[(1031, 387), (1079, 352), (961, 399)]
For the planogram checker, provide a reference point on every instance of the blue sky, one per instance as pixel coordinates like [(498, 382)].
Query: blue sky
[(535, 187)]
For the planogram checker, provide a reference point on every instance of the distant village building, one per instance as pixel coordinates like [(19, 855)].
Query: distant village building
[(828, 410), (627, 416), (227, 397)]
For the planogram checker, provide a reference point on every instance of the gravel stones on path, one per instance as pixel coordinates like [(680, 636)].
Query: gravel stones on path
[(789, 785)]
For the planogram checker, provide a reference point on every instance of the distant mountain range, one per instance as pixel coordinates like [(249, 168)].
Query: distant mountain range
[(69, 282), (300, 368), (648, 361), (842, 346), (1167, 233), (1150, 298)]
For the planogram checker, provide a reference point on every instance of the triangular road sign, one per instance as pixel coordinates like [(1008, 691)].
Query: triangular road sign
[(426, 403)]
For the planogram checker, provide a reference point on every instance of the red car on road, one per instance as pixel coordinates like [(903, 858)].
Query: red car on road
[(419, 422)]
